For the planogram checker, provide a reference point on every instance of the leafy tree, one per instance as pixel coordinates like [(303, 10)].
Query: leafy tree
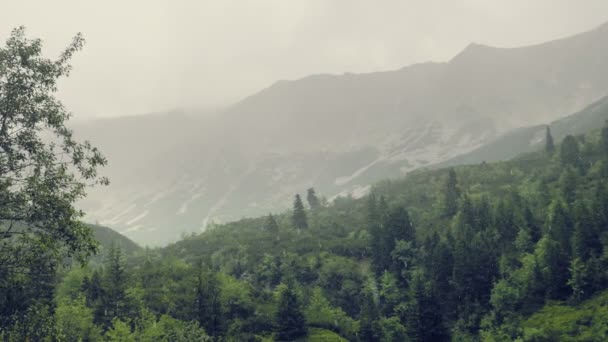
[(313, 200), (43, 169), (320, 313), (291, 323), (393, 330), (299, 219), (74, 321), (549, 144), (579, 280), (120, 331)]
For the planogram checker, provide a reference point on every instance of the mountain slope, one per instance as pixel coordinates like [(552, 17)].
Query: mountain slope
[(531, 139), (175, 174), (108, 237)]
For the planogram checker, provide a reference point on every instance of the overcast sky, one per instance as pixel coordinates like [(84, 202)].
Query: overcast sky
[(151, 56)]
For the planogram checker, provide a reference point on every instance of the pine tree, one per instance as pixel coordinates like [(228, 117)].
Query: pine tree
[(313, 200), (299, 218), (549, 144), (451, 194), (291, 323)]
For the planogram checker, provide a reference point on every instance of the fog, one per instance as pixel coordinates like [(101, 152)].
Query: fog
[(153, 56)]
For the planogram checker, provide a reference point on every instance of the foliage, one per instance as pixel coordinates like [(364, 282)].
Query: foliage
[(43, 172)]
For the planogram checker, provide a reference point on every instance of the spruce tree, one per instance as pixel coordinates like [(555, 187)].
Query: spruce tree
[(549, 144), (291, 323), (299, 218), (451, 194), (313, 200), (115, 286), (423, 314)]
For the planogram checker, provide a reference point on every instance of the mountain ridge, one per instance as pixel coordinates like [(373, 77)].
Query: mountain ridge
[(337, 133)]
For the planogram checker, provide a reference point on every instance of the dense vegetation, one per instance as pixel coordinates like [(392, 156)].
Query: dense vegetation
[(494, 252)]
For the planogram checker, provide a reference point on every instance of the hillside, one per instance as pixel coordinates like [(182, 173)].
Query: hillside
[(530, 139), (174, 174), (108, 237), (476, 252)]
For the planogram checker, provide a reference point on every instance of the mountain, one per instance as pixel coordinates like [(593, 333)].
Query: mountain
[(531, 139), (108, 237), (175, 174)]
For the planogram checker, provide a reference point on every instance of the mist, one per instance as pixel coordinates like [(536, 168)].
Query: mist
[(159, 56)]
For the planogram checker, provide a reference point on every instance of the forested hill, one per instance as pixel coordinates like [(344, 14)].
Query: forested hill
[(108, 237), (470, 253)]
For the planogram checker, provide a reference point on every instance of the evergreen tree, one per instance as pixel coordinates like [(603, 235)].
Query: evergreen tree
[(299, 219), (370, 329), (604, 140), (423, 315), (549, 144), (94, 295), (554, 266), (451, 194), (271, 225), (560, 227), (569, 153), (439, 270), (291, 323), (115, 286), (209, 308), (376, 233), (313, 200), (567, 184), (585, 238), (399, 227)]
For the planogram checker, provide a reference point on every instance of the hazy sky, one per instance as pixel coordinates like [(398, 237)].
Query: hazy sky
[(150, 56)]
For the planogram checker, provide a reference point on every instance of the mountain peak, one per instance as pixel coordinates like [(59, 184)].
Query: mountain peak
[(471, 51)]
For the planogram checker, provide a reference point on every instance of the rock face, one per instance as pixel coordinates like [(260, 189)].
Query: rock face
[(173, 174)]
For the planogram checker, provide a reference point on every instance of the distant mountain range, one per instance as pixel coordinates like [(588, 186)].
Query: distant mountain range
[(174, 173)]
